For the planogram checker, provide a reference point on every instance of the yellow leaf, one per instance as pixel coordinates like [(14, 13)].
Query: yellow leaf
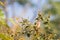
[(1, 3)]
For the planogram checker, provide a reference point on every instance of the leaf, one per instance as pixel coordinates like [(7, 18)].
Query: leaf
[(1, 3), (1, 14), (5, 37), (12, 21)]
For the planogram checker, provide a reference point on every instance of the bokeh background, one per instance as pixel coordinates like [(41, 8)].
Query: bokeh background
[(28, 9)]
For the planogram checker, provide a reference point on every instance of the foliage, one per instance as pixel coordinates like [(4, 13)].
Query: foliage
[(1, 14), (41, 29), (33, 32), (28, 31), (5, 37)]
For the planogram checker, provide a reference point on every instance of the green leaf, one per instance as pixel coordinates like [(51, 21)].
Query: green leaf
[(5, 37), (1, 14)]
